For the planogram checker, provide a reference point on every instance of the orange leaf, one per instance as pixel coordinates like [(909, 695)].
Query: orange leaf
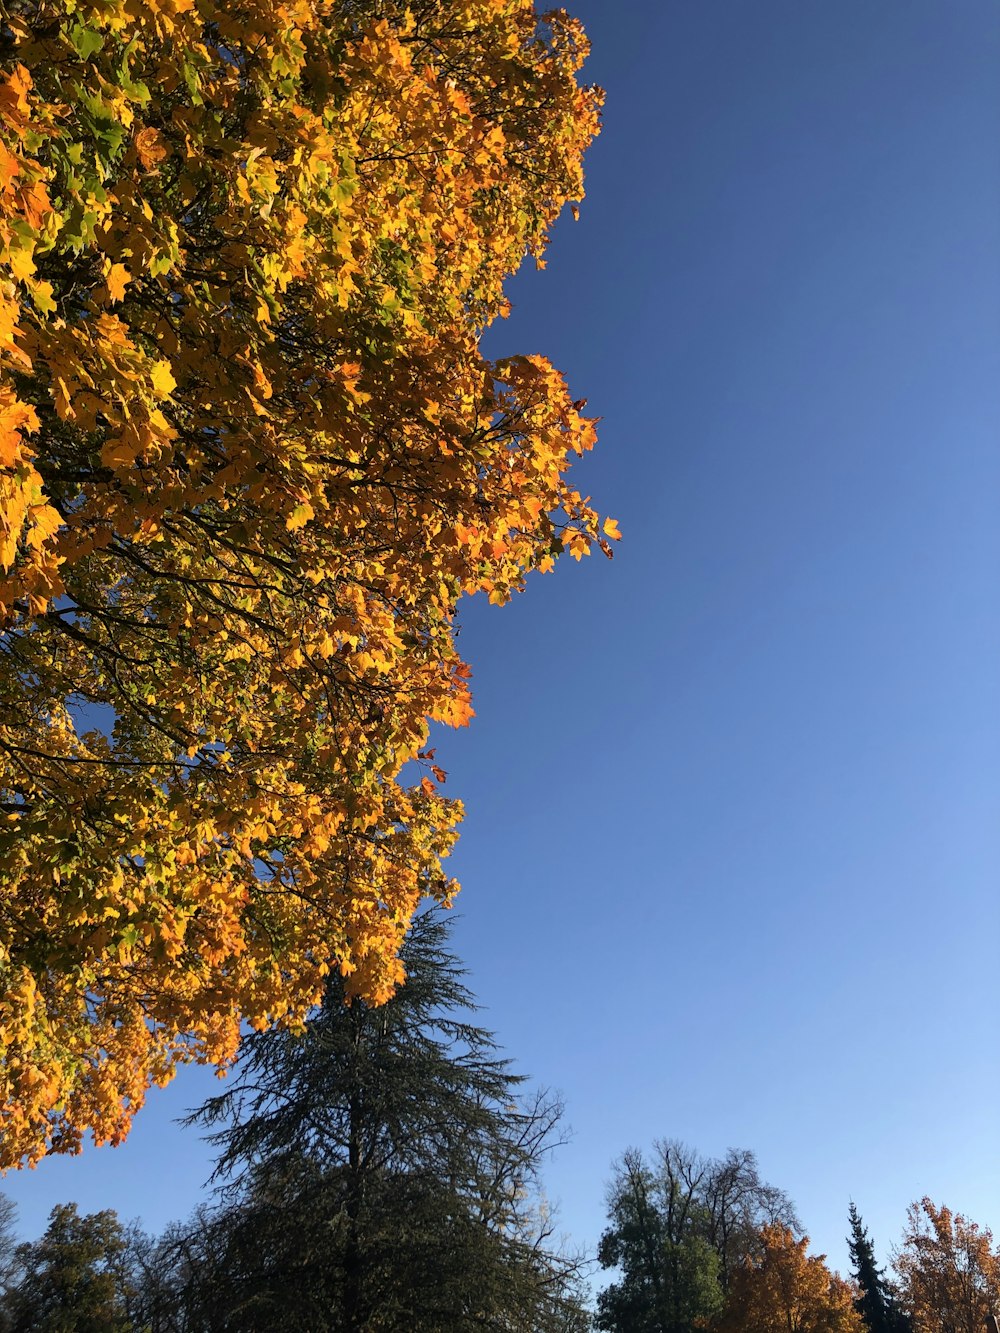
[(116, 281), (151, 147)]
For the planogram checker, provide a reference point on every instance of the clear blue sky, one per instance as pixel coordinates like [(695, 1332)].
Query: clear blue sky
[(733, 848)]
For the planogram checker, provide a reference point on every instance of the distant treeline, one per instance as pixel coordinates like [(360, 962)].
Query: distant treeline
[(380, 1172)]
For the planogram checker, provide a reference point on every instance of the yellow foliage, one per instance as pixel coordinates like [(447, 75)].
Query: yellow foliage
[(251, 457), (949, 1271), (784, 1289)]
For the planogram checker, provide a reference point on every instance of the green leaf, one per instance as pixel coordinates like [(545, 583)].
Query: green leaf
[(86, 41)]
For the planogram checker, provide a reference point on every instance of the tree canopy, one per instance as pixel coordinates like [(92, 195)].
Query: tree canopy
[(72, 1279), (380, 1173), (784, 1289), (949, 1270), (251, 457), (680, 1227)]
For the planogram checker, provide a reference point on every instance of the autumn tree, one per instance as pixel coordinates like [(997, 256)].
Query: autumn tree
[(949, 1271), (71, 1280), (877, 1303), (786, 1290), (679, 1226), (380, 1174), (738, 1204), (251, 458)]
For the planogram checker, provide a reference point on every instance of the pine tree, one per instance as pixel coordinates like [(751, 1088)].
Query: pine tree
[(378, 1173), (877, 1303)]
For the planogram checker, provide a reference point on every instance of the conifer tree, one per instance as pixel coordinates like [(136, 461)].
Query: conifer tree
[(877, 1302), (379, 1173)]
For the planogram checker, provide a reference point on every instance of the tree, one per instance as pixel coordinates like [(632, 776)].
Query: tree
[(670, 1273), (678, 1229), (378, 1173), (8, 1255), (877, 1303), (739, 1204), (786, 1290), (949, 1271), (71, 1280), (251, 458)]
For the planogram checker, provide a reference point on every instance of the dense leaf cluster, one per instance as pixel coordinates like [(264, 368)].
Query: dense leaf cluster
[(251, 458)]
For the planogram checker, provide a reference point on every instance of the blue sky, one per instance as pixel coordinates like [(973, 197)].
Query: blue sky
[(732, 852)]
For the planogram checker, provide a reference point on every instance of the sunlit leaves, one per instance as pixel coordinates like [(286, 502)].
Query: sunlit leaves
[(251, 457), (949, 1270), (784, 1289)]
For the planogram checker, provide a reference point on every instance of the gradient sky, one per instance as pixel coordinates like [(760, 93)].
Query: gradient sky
[(732, 853)]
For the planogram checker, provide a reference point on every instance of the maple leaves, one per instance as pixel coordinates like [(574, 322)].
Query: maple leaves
[(949, 1270), (251, 457), (787, 1290)]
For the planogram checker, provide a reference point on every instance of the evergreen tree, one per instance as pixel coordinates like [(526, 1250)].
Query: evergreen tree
[(877, 1303), (378, 1173)]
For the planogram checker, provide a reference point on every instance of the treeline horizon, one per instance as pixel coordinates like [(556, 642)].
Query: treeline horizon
[(381, 1170)]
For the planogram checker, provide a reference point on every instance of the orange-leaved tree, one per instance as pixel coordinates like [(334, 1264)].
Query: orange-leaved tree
[(251, 457), (782, 1289), (949, 1271)]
